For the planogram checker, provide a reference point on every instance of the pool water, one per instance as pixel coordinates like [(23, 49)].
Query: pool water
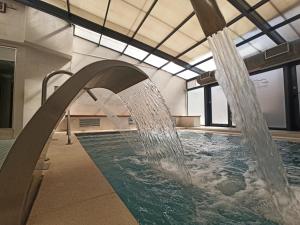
[(225, 189)]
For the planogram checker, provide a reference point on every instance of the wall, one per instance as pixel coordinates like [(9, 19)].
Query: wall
[(37, 64), (12, 23), (48, 32), (38, 53)]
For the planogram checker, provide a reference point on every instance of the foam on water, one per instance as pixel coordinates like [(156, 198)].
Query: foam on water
[(155, 126), (233, 77)]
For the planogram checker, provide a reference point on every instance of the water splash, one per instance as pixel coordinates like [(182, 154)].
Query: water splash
[(155, 126), (233, 77)]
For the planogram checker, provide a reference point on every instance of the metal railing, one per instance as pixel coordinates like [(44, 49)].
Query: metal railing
[(44, 97)]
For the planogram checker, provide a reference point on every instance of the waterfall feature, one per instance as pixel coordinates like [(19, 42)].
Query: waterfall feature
[(155, 127), (233, 77)]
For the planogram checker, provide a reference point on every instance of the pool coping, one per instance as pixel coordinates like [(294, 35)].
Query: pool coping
[(74, 190), (282, 135)]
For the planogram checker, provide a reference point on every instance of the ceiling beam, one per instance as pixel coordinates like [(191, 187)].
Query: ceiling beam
[(257, 20), (105, 18), (80, 21), (141, 24), (68, 6), (257, 5), (234, 20)]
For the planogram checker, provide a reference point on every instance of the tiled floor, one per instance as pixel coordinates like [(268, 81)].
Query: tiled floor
[(5, 146), (74, 191)]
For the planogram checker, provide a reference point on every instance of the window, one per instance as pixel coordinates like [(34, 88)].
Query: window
[(196, 104), (270, 93), (87, 34), (208, 65), (7, 67), (155, 61), (172, 68), (219, 106), (187, 74), (135, 52), (112, 43)]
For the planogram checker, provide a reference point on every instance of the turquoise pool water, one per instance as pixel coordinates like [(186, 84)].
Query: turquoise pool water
[(225, 190)]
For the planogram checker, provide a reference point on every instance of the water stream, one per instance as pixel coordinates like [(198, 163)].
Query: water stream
[(232, 75), (155, 127)]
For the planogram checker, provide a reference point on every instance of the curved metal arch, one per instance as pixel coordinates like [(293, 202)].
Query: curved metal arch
[(16, 172)]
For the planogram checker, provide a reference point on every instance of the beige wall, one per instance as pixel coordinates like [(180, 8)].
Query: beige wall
[(12, 23), (48, 31), (20, 29)]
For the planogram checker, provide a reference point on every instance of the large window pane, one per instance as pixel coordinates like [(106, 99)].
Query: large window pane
[(270, 93), (196, 104), (219, 106)]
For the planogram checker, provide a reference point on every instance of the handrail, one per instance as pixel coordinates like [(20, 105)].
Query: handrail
[(59, 72), (44, 96)]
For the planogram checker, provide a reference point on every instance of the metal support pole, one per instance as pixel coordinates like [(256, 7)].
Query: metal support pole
[(69, 127), (207, 105), (291, 98)]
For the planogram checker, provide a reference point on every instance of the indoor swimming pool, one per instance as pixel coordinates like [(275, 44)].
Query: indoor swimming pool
[(224, 187)]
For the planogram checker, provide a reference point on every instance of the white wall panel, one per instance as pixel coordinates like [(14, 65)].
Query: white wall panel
[(196, 104)]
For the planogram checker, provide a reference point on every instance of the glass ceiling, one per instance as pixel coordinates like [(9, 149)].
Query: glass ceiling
[(169, 26)]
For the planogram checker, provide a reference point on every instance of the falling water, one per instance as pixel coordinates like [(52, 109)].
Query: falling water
[(155, 126), (233, 77), (123, 128)]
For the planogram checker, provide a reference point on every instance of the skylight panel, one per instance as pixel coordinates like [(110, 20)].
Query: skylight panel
[(135, 52), (262, 43), (112, 43), (188, 74), (172, 68), (155, 61), (207, 66), (87, 34)]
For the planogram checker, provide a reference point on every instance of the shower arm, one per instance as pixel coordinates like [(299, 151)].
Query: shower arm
[(209, 16)]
